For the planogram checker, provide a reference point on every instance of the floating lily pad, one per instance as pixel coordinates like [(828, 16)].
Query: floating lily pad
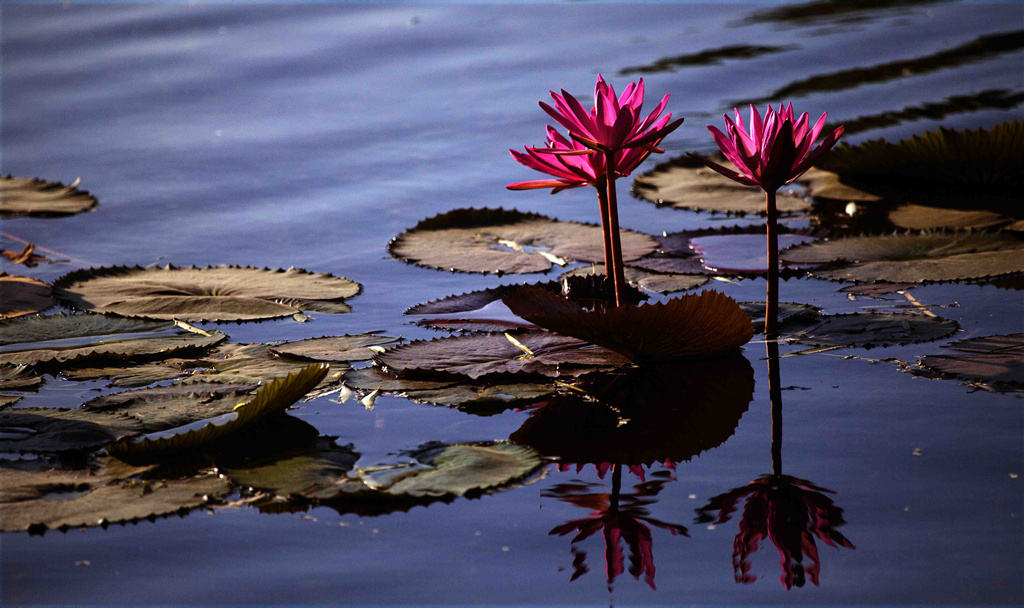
[(914, 258), (877, 289), (486, 354), (996, 362), (920, 217), (312, 471), (30, 196), (212, 293), (23, 296), (467, 302), (80, 338), (686, 183), (26, 256), (165, 407), (6, 400), (47, 429), (868, 330), (101, 494), (689, 326), (500, 241), (790, 314), (131, 375), (333, 348), (822, 184), (18, 377), (272, 398), (477, 325), (648, 281)]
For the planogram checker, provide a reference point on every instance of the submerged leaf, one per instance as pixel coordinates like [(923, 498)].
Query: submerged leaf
[(333, 348), (30, 196), (501, 241), (21, 296), (997, 362), (868, 330), (212, 293)]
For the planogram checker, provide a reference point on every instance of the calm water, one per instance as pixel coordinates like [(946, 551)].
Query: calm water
[(310, 135)]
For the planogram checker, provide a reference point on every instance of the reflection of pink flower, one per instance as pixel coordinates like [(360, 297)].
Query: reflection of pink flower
[(776, 151), (788, 511)]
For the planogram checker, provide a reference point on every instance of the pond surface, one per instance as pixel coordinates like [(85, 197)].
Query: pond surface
[(309, 136)]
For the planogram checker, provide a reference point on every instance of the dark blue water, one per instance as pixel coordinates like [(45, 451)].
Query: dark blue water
[(309, 135)]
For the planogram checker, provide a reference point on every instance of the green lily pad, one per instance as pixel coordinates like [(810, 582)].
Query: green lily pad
[(21, 296), (648, 281), (212, 293), (31, 196), (489, 354), (914, 258), (81, 338), (994, 362), (686, 183), (500, 241), (333, 348), (869, 330), (101, 494)]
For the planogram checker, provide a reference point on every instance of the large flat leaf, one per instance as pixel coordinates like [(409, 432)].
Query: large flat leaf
[(212, 293), (657, 282), (995, 362), (500, 241), (30, 196), (312, 471), (689, 326), (333, 349), (922, 217), (21, 296), (18, 377), (876, 329)]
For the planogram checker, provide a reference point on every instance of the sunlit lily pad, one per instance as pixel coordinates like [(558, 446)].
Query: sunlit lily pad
[(503, 242), (995, 362), (333, 348), (648, 281), (685, 183), (476, 325), (30, 196), (920, 217), (18, 377), (466, 302), (914, 258), (104, 493), (689, 326), (80, 338), (486, 354), (212, 293), (868, 330), (272, 398), (23, 296)]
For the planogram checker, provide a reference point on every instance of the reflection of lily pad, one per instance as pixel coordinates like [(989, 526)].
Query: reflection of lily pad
[(333, 348), (689, 326), (101, 494), (685, 183), (910, 258), (501, 242), (213, 293), (310, 471), (79, 338), (23, 296), (647, 281), (996, 362), (28, 196), (485, 354), (876, 329)]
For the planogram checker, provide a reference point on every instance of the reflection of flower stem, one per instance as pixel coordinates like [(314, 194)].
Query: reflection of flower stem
[(613, 229), (771, 311), (775, 396)]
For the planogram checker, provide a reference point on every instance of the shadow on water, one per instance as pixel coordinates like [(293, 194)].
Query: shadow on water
[(704, 58), (825, 12), (992, 99)]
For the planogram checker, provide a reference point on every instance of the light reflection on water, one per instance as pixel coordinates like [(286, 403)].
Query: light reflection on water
[(310, 135)]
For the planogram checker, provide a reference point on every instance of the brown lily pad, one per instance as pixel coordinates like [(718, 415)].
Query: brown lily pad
[(30, 196), (648, 281), (869, 330), (500, 241), (790, 315), (685, 183), (877, 289), (212, 293), (477, 325), (914, 258), (995, 362), (335, 349), (479, 355), (47, 429), (21, 296), (689, 326), (920, 217), (18, 377)]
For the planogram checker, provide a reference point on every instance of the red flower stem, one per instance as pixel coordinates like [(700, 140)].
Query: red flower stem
[(771, 312), (602, 200), (775, 396), (616, 487), (613, 230)]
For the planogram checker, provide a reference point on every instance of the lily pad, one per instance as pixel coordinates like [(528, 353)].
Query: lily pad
[(920, 217), (877, 289), (500, 241), (47, 429), (21, 296), (18, 377), (477, 325), (272, 398), (333, 348), (467, 302), (648, 281), (101, 494), (486, 354), (212, 293), (686, 183), (995, 362), (80, 338), (914, 258), (312, 471), (869, 330), (165, 407), (31, 196), (790, 315), (689, 326)]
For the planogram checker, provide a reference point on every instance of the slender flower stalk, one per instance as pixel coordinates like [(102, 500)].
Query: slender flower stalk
[(605, 143), (776, 151)]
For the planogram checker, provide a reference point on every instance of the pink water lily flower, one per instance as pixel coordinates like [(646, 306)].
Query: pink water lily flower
[(776, 150), (614, 123)]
